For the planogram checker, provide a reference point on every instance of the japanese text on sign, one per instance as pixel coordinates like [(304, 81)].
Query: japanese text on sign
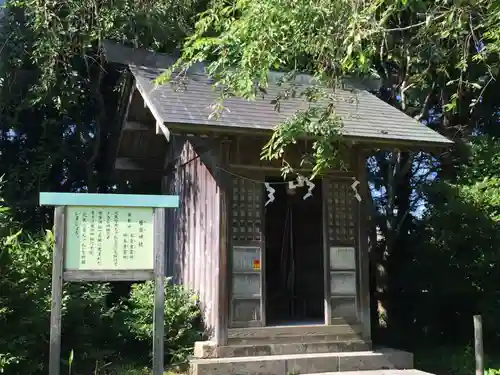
[(109, 238)]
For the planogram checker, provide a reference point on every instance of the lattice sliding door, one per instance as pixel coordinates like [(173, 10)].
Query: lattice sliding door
[(341, 244), (246, 307)]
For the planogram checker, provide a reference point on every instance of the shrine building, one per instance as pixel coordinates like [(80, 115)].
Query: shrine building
[(281, 267)]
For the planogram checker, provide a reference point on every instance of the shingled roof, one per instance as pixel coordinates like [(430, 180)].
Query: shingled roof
[(364, 116)]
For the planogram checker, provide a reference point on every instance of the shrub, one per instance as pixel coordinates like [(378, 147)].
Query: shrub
[(25, 287), (5, 360), (94, 331), (183, 324)]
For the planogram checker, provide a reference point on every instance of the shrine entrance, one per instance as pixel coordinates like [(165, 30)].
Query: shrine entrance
[(294, 266)]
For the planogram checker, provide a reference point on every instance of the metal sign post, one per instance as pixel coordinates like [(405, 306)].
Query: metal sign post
[(108, 237)]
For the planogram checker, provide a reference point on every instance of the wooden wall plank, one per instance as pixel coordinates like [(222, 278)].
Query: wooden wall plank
[(197, 226)]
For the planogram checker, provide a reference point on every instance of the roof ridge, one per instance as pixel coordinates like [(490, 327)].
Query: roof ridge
[(372, 118), (141, 57)]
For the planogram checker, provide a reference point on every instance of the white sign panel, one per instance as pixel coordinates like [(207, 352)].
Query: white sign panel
[(342, 258)]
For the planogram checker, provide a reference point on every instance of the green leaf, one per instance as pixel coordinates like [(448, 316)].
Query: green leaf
[(349, 49), (71, 356), (10, 239)]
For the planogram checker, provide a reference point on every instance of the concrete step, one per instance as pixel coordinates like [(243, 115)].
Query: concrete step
[(304, 363), (376, 372), (204, 349)]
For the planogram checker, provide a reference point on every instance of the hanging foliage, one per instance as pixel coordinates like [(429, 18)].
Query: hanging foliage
[(426, 53)]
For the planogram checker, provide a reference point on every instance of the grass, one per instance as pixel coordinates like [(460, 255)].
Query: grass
[(111, 369), (123, 369), (454, 360), (131, 371)]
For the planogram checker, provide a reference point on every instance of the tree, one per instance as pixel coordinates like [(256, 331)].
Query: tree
[(54, 129), (427, 53), (54, 121)]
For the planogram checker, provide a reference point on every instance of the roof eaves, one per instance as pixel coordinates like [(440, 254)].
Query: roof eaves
[(160, 125)]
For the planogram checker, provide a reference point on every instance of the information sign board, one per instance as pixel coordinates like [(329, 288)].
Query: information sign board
[(108, 237)]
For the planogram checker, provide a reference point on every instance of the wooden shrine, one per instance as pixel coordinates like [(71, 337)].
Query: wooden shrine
[(269, 267)]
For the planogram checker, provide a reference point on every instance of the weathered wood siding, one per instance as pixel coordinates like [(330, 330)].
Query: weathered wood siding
[(193, 229)]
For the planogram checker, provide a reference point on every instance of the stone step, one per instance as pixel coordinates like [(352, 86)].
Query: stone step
[(303, 363), (204, 349), (303, 339), (297, 330), (293, 334), (376, 372)]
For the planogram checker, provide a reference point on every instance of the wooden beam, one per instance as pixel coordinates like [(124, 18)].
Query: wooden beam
[(122, 111), (125, 107), (326, 252), (162, 129), (138, 165), (224, 274), (271, 169), (135, 126), (150, 179), (372, 142), (127, 164), (139, 111), (160, 126)]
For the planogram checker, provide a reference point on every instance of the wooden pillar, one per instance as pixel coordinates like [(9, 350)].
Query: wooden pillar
[(478, 344), (326, 252), (362, 241), (224, 274), (159, 226)]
